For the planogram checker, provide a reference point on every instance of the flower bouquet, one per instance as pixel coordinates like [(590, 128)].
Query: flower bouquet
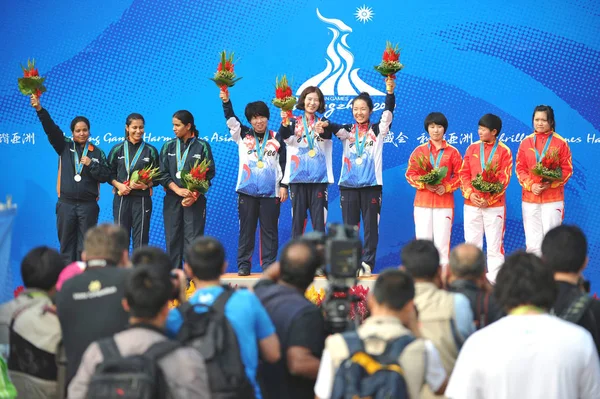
[(284, 98), (429, 174), (390, 62), (487, 182), (144, 176), (549, 168), (195, 180), (225, 76), (31, 82)]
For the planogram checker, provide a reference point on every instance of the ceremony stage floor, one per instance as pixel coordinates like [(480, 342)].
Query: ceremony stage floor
[(319, 282)]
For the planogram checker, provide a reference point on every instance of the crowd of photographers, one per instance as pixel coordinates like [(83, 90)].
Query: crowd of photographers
[(104, 329)]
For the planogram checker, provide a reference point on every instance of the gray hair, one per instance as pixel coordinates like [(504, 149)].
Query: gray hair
[(467, 260)]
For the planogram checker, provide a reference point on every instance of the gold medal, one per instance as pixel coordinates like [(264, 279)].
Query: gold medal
[(260, 164), (359, 161), (312, 153)]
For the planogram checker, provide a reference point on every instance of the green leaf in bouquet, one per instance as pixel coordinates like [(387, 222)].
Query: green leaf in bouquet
[(28, 86), (135, 177), (442, 172), (225, 82), (286, 104), (389, 69)]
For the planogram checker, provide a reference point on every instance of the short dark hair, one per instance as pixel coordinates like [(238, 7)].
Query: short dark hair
[(206, 257), (146, 292), (394, 289), (298, 262), (525, 280), (421, 259), (78, 119), (366, 97), (186, 117), (549, 114), (306, 92), (41, 267), (564, 249), (467, 260), (106, 241), (153, 257), (257, 108), (438, 118), (492, 122)]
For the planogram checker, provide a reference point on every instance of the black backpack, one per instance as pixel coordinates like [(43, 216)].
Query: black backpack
[(212, 335), (576, 309), (367, 376), (130, 377)]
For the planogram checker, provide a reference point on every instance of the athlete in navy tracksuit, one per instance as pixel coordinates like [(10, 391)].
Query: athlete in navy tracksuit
[(261, 165), (81, 169), (132, 204), (183, 223)]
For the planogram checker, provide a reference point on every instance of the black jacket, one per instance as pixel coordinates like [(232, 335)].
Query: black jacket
[(484, 306), (199, 151), (91, 176), (116, 161)]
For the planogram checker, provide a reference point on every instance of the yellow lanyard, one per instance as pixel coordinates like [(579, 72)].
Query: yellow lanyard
[(524, 309)]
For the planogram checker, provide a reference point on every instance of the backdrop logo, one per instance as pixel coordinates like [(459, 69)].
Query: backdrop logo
[(339, 78)]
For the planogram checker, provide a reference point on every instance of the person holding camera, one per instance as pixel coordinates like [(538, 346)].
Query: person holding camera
[(298, 322), (393, 316)]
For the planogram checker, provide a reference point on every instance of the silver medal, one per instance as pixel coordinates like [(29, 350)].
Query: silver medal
[(77, 178), (178, 174)]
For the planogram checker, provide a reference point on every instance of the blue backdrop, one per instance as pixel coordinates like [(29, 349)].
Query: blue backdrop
[(105, 59)]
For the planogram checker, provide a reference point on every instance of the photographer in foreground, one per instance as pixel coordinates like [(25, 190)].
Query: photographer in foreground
[(299, 323), (393, 317)]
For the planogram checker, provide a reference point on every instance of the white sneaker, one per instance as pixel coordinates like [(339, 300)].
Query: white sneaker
[(364, 271)]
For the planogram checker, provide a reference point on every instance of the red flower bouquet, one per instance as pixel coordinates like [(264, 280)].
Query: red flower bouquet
[(487, 182), (390, 62), (31, 82), (284, 98), (549, 168), (195, 180), (144, 176), (429, 174), (225, 76)]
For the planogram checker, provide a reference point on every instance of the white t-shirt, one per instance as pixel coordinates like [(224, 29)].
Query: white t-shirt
[(435, 375), (527, 356)]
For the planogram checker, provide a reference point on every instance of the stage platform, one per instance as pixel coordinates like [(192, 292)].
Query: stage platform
[(318, 283)]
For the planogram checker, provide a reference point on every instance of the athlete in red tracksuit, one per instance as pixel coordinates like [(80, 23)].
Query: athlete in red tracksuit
[(543, 202), (485, 213), (434, 205)]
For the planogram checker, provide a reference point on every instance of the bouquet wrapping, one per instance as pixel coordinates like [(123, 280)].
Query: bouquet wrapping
[(549, 169), (487, 182), (390, 61), (145, 176), (195, 180), (429, 174), (31, 82), (225, 76), (284, 98)]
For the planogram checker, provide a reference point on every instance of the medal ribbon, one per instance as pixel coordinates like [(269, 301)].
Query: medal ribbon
[(435, 163), (360, 147), (260, 147), (310, 138), (129, 166), (180, 159), (78, 164), (538, 156), (524, 309), (482, 154)]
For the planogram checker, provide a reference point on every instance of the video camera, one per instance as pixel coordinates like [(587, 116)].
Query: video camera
[(341, 253)]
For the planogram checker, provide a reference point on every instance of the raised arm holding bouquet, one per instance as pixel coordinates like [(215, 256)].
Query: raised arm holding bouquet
[(284, 98)]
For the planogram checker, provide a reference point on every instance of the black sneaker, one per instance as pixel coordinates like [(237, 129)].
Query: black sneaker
[(244, 271)]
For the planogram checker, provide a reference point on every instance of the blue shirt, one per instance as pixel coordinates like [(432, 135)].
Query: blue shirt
[(248, 318), (464, 318)]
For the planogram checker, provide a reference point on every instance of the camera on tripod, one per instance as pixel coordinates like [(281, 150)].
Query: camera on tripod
[(341, 253)]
